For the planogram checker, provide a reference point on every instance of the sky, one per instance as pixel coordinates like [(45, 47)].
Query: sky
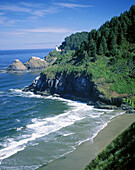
[(41, 24)]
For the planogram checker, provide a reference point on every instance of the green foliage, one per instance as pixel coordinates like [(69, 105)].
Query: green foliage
[(74, 41), (119, 154), (129, 101), (51, 55), (114, 39), (106, 54)]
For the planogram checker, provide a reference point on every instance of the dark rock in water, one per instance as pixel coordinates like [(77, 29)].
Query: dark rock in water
[(130, 111), (36, 63), (17, 65), (110, 107), (126, 107)]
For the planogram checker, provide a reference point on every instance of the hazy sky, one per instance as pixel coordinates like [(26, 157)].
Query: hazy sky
[(28, 24)]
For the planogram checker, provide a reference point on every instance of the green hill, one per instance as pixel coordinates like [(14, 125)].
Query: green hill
[(100, 71), (107, 56)]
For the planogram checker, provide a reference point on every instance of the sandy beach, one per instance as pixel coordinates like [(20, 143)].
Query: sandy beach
[(84, 153)]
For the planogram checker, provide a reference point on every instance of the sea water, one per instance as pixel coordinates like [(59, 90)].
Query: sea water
[(35, 130)]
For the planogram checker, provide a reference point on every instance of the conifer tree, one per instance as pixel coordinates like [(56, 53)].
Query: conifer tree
[(92, 49), (100, 49), (112, 41), (104, 44)]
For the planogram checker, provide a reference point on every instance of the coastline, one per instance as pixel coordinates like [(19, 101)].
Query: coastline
[(84, 153)]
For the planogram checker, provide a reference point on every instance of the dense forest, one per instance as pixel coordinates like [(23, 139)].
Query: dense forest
[(119, 154), (113, 39), (107, 55), (74, 41)]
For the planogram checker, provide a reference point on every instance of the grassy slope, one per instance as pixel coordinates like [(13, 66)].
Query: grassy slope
[(110, 82)]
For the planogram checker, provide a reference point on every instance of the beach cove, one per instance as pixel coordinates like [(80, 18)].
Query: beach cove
[(37, 129), (87, 151)]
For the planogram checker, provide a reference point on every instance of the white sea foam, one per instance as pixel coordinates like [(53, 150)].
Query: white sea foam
[(68, 134), (98, 130), (19, 92), (18, 120), (68, 101), (96, 114), (19, 129), (1, 92), (34, 144), (41, 127), (104, 110)]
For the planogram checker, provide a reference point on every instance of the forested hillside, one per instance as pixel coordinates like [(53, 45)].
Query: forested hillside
[(74, 40), (107, 56)]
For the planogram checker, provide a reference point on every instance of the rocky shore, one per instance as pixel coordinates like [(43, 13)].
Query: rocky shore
[(75, 87)]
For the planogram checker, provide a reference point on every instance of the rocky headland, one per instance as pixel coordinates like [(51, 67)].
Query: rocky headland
[(79, 88), (33, 64), (100, 70)]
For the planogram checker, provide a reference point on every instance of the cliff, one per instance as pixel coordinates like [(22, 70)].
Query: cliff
[(34, 63), (75, 87)]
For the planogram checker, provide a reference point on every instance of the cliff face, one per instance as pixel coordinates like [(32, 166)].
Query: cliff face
[(71, 86), (74, 87)]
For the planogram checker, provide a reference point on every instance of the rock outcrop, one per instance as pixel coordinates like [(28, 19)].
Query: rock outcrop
[(34, 63), (74, 87), (17, 66)]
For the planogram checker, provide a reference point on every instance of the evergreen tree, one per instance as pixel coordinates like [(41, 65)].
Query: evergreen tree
[(92, 35), (92, 49), (100, 49), (124, 21), (132, 24), (74, 40), (104, 44), (112, 41)]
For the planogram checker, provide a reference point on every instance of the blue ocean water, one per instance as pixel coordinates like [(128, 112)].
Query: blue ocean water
[(35, 130)]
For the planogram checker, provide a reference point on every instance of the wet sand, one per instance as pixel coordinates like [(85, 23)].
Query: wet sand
[(84, 153)]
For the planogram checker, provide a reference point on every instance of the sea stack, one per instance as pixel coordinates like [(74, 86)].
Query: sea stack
[(16, 66), (36, 63)]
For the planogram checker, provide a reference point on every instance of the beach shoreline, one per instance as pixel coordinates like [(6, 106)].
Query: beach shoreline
[(84, 153)]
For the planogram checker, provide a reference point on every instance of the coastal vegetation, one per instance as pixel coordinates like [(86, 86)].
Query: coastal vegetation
[(107, 55), (73, 41), (100, 70), (119, 154)]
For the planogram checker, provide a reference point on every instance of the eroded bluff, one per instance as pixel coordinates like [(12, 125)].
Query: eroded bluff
[(73, 87)]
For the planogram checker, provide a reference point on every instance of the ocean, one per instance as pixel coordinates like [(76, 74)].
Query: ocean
[(34, 129)]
